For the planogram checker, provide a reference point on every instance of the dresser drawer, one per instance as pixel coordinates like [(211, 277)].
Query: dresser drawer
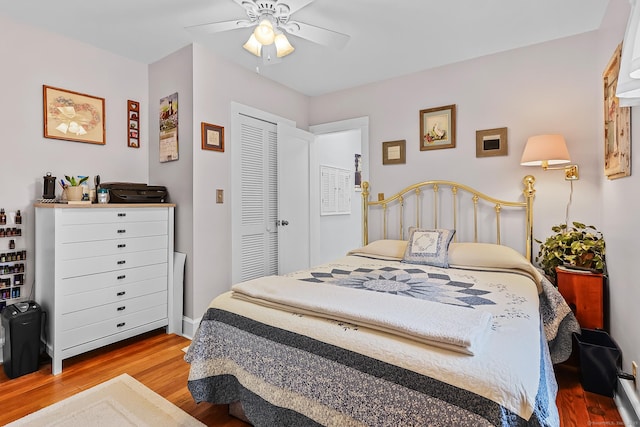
[(111, 326), (106, 215), (89, 232), (120, 293), (94, 282), (93, 265), (114, 310), (81, 250)]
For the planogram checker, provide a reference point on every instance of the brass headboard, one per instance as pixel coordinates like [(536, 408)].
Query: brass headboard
[(455, 188)]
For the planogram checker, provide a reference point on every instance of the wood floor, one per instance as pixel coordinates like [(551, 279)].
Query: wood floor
[(156, 360)]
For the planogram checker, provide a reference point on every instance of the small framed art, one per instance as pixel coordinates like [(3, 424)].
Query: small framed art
[(133, 131), (212, 137), (394, 152), (438, 128), (73, 116), (491, 142)]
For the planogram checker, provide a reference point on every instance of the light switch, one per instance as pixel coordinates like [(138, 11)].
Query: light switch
[(219, 195)]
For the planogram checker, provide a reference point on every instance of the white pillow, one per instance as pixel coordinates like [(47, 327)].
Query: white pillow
[(386, 249), (490, 255)]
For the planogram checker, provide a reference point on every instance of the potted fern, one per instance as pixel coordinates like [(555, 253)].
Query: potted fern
[(581, 245)]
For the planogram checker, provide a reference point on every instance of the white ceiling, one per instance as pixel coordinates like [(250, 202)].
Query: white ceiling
[(389, 38)]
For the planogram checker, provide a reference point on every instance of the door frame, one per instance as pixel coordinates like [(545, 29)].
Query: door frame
[(359, 123)]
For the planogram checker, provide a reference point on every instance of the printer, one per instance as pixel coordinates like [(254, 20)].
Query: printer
[(131, 192)]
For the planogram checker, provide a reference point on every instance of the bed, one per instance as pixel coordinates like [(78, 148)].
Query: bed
[(422, 327)]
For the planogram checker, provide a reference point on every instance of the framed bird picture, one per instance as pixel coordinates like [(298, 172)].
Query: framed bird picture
[(438, 128)]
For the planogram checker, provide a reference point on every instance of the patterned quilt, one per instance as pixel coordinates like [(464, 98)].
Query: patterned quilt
[(296, 370)]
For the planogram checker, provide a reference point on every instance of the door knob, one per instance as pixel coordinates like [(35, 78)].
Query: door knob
[(282, 222)]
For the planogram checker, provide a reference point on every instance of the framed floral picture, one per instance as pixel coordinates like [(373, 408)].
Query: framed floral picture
[(73, 116), (438, 128)]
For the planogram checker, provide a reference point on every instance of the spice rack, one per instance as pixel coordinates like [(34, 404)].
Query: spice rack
[(13, 256)]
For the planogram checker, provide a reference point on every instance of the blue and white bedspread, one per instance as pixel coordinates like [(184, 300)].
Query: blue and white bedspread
[(295, 367)]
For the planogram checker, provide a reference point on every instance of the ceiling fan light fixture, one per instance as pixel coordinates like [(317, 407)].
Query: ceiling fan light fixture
[(253, 46), (283, 47), (264, 32)]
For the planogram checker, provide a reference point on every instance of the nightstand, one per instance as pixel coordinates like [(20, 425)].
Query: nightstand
[(584, 292)]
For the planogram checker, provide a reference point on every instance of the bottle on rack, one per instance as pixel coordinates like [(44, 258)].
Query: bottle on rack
[(3, 217), (18, 218)]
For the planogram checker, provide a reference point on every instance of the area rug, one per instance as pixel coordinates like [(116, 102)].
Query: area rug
[(121, 401)]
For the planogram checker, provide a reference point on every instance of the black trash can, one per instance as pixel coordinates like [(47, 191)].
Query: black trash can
[(21, 349), (600, 360)]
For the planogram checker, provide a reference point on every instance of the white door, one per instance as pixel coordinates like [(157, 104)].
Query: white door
[(293, 199), (259, 245)]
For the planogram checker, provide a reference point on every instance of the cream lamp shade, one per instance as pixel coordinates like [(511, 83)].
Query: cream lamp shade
[(253, 45), (283, 47), (264, 32), (545, 150)]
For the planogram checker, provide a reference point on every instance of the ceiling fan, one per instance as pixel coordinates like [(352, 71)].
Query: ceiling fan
[(271, 19)]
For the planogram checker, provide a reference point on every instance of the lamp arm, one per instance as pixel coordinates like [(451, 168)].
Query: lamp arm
[(570, 171)]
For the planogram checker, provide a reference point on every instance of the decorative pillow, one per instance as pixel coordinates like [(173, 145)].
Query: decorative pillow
[(430, 247)]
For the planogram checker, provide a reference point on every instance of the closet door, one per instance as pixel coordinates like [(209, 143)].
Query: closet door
[(256, 240), (271, 213)]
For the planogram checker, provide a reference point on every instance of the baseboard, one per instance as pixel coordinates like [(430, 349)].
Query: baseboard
[(190, 326), (627, 402)]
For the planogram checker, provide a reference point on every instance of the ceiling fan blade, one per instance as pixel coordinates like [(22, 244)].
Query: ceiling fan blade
[(216, 27), (295, 5), (315, 34)]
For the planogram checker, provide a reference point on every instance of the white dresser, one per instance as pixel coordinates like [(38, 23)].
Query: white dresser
[(104, 273)]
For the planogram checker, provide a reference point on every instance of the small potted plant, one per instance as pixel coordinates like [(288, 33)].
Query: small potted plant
[(73, 187), (581, 246)]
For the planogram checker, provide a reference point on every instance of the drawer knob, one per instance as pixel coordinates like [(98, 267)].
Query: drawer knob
[(121, 293), (122, 262), (122, 245), (122, 231), (121, 308), (122, 214), (120, 325), (122, 277)]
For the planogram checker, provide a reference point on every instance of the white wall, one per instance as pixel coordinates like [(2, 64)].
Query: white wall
[(32, 58), (174, 74), (546, 88)]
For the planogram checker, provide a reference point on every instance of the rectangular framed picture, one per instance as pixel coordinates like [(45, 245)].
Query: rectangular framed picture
[(491, 142), (212, 137), (617, 124), (73, 116), (394, 152), (133, 117), (438, 128)]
